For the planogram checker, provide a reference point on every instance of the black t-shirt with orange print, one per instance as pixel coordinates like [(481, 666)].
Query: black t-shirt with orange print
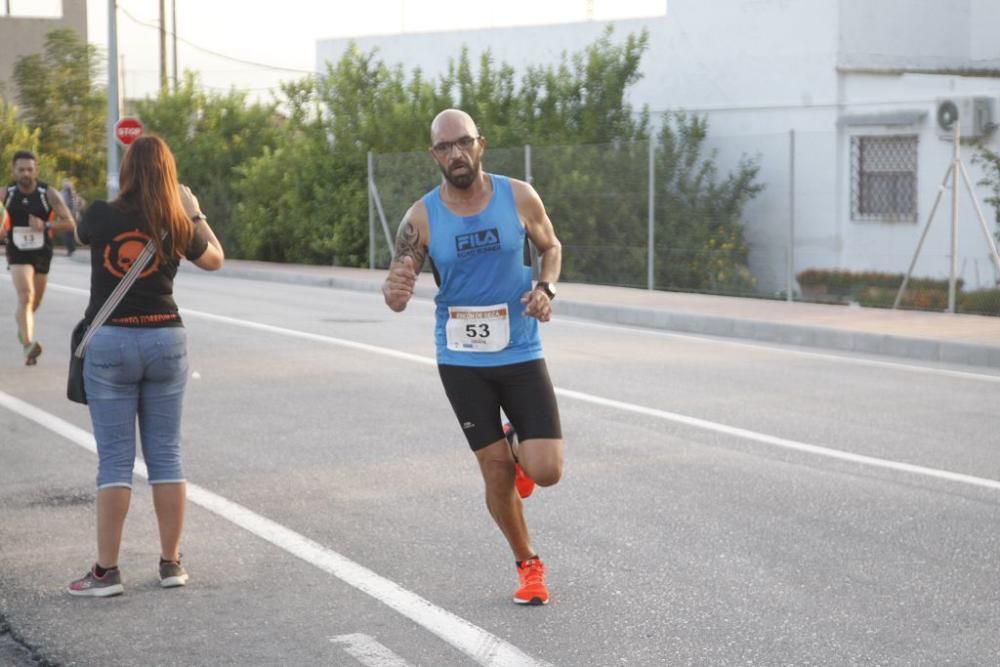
[(115, 240)]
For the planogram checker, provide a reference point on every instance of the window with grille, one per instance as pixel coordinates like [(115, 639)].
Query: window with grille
[(884, 178)]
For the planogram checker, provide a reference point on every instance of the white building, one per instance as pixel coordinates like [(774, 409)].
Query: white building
[(858, 81)]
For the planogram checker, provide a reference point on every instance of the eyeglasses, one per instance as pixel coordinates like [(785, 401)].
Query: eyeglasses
[(443, 148)]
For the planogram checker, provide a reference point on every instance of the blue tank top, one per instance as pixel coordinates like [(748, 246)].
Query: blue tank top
[(479, 260)]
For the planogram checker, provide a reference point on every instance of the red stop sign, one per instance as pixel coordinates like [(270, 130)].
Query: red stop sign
[(128, 130)]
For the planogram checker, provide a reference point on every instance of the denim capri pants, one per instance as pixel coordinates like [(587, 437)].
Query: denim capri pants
[(137, 374)]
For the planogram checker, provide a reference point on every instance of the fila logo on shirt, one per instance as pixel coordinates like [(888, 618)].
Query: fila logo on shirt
[(476, 243)]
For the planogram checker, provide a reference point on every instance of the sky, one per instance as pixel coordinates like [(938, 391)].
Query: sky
[(282, 35)]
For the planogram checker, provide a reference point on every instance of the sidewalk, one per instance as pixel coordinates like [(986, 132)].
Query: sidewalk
[(960, 339)]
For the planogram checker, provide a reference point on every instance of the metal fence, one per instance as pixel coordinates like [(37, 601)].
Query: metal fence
[(630, 215)]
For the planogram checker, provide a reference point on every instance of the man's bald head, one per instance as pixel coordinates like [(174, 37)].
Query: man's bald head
[(451, 124), (457, 147)]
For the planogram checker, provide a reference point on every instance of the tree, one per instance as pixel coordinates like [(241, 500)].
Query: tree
[(16, 136), (58, 95), (698, 213), (306, 200), (991, 164), (583, 99), (367, 105), (212, 135)]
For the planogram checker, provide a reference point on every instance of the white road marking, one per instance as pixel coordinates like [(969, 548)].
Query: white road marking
[(784, 443), (480, 645), (638, 409), (317, 338), (369, 652), (763, 438)]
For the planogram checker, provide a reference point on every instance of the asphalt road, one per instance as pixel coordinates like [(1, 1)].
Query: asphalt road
[(723, 503)]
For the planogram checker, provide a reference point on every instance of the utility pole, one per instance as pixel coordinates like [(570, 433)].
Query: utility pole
[(173, 24), (163, 45), (955, 175), (122, 90), (112, 143)]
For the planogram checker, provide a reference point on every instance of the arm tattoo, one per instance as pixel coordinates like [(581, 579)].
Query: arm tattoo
[(408, 243)]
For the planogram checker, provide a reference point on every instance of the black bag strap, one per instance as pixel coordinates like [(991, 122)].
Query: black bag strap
[(116, 296)]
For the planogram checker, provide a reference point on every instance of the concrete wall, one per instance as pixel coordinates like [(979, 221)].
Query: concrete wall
[(901, 33), (984, 46), (920, 33), (22, 36), (727, 53)]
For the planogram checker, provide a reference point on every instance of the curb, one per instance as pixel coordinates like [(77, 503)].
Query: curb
[(788, 334)]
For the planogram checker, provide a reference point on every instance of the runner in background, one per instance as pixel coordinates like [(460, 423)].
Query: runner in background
[(33, 213), (74, 204)]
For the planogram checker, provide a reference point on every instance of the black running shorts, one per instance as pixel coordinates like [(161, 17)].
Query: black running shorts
[(524, 391), (40, 259)]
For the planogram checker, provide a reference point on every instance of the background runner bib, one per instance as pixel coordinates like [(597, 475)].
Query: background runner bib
[(26, 238)]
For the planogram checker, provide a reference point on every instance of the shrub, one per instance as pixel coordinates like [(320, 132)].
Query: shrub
[(873, 288), (915, 298), (980, 302)]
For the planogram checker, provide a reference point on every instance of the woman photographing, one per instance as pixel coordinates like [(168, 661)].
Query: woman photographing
[(136, 365)]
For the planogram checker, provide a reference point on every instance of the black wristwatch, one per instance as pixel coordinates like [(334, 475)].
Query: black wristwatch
[(548, 288)]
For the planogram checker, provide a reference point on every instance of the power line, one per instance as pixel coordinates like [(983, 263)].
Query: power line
[(210, 52), (152, 76)]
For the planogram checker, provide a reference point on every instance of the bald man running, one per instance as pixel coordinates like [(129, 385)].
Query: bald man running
[(472, 227), (32, 213)]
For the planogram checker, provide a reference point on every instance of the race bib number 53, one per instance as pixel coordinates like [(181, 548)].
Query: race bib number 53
[(26, 238), (478, 329)]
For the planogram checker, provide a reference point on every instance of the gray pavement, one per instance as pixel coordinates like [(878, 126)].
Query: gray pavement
[(938, 337), (703, 518), (13, 653)]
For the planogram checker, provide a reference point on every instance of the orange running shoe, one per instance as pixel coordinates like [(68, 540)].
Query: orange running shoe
[(524, 484), (533, 590)]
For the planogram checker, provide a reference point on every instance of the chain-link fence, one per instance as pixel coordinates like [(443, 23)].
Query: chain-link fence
[(833, 220), (599, 198)]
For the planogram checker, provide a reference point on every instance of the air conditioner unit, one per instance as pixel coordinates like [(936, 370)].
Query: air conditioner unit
[(976, 117)]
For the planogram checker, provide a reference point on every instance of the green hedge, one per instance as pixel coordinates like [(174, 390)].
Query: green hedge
[(913, 298), (980, 302), (878, 290), (850, 283)]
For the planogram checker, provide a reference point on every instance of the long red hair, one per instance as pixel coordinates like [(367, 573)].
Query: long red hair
[(149, 189)]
